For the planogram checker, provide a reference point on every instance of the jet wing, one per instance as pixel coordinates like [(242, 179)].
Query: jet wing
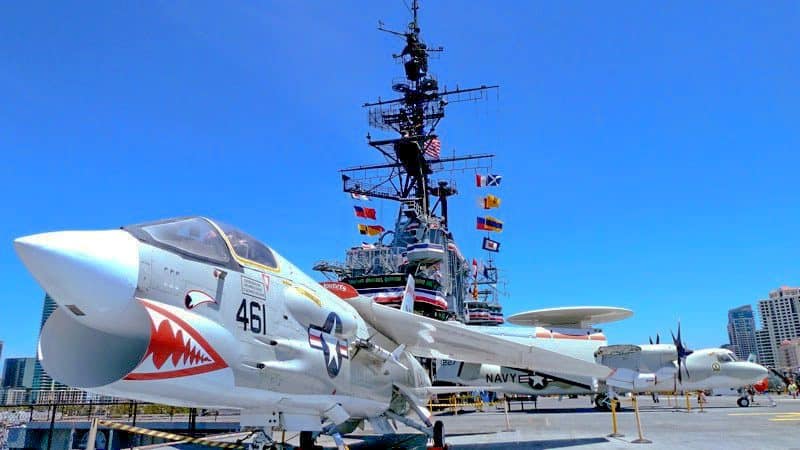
[(432, 338)]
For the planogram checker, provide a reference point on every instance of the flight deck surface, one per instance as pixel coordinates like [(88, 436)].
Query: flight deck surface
[(574, 424)]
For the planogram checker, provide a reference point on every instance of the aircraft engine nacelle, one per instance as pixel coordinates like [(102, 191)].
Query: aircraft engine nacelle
[(158, 342), (644, 382), (632, 380)]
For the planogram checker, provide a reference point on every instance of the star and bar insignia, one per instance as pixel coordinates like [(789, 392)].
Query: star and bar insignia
[(324, 338)]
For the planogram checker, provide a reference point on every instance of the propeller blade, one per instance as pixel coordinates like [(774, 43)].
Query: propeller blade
[(682, 353), (651, 340), (658, 339)]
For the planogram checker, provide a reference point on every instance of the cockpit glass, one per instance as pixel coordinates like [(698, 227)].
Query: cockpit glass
[(194, 236), (724, 358), (247, 246)]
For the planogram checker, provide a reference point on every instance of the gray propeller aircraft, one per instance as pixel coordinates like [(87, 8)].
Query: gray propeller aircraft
[(664, 368), (196, 313), (569, 331), (660, 368)]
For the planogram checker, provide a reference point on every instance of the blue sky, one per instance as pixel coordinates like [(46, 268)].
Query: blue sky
[(649, 151)]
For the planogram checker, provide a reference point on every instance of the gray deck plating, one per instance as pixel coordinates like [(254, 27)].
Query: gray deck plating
[(573, 424)]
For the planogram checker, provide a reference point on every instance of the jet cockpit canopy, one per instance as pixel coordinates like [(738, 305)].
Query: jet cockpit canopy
[(204, 239)]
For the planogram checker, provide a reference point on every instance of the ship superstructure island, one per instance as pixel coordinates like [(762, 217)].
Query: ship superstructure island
[(420, 179)]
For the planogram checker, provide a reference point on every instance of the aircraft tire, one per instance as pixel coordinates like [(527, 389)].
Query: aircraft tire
[(743, 402), (601, 402), (306, 440), (438, 434)]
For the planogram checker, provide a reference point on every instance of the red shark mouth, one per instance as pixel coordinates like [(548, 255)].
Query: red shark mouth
[(175, 350)]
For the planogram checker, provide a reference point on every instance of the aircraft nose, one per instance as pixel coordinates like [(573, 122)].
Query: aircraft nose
[(754, 372), (88, 272)]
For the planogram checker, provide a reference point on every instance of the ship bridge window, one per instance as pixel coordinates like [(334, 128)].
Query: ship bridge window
[(194, 236), (248, 247), (435, 236)]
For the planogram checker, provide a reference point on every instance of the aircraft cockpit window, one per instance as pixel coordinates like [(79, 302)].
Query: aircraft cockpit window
[(248, 247), (194, 236), (724, 358)]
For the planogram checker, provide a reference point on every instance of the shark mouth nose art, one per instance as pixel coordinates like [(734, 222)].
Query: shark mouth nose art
[(176, 349)]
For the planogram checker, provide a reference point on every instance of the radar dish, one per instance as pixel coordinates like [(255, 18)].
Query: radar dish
[(570, 317)]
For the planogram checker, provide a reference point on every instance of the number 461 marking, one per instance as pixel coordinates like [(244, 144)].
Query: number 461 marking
[(256, 320)]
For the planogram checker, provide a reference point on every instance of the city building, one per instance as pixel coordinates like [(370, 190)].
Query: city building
[(41, 380), (780, 321), (730, 347), (1, 360), (18, 373), (45, 389), (742, 331), (789, 355), (765, 355)]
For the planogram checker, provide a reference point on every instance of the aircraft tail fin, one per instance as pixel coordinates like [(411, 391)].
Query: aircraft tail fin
[(408, 296)]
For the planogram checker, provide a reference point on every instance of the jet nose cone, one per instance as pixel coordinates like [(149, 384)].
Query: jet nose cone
[(93, 271)]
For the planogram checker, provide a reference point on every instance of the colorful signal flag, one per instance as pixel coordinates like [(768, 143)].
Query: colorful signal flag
[(491, 201), (364, 212), (487, 180), (370, 230), (489, 223), (490, 245)]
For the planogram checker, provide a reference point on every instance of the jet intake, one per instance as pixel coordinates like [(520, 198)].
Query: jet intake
[(81, 356)]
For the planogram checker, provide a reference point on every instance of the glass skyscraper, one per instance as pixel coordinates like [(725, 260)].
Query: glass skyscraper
[(41, 380), (742, 331)]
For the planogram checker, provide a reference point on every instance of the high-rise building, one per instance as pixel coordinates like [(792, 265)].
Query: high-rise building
[(789, 355), (41, 380), (742, 331), (765, 355), (1, 359), (780, 321), (18, 373)]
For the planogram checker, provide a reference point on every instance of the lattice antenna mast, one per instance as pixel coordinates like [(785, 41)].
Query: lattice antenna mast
[(414, 116)]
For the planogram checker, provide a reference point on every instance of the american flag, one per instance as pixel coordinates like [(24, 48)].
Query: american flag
[(433, 148)]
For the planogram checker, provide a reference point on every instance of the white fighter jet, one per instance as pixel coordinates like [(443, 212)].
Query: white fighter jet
[(193, 312)]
